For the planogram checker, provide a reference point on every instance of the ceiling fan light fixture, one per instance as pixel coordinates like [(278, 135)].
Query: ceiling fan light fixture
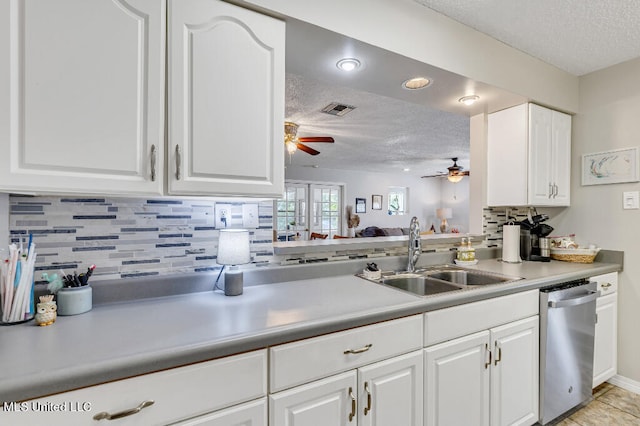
[(416, 83), (454, 178), (469, 100), (348, 64), (291, 147)]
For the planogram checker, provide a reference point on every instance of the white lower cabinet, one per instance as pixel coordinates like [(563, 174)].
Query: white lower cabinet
[(249, 414), (486, 378), (605, 364), (214, 390), (389, 392)]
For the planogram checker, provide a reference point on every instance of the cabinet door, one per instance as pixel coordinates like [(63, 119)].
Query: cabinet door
[(390, 392), (561, 158), (226, 100), (514, 377), (507, 157), (606, 339), (457, 382), (540, 162), (82, 96), (248, 414), (331, 401)]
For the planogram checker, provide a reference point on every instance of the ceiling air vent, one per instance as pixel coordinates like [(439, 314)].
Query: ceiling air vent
[(338, 109)]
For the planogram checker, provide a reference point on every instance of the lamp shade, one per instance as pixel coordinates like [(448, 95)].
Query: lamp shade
[(444, 213), (233, 247)]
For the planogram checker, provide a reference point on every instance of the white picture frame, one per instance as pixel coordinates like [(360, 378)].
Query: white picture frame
[(614, 166)]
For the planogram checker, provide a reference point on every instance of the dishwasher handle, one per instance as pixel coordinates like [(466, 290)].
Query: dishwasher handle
[(575, 301)]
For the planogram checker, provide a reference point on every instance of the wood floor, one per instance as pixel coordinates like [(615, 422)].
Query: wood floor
[(611, 406)]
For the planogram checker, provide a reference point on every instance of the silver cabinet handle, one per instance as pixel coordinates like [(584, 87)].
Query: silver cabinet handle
[(486, 348), (178, 162), (367, 409), (354, 405), (106, 416), (499, 357), (555, 190), (605, 285), (154, 157), (550, 192), (358, 351)]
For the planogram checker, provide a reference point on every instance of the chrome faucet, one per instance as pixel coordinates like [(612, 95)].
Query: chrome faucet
[(415, 247)]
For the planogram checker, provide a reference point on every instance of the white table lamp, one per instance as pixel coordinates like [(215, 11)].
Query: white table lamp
[(233, 250)]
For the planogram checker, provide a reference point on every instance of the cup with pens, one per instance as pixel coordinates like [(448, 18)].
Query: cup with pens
[(73, 292), (16, 283)]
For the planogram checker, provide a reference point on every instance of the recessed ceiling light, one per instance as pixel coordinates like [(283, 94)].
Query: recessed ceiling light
[(348, 64), (416, 83), (469, 100), (406, 170)]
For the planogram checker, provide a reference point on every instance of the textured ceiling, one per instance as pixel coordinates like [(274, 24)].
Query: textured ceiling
[(578, 36)]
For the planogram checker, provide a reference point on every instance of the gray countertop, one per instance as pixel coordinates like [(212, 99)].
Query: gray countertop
[(120, 340)]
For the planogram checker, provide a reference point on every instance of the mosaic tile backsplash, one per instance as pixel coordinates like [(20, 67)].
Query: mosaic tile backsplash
[(134, 237), (127, 237)]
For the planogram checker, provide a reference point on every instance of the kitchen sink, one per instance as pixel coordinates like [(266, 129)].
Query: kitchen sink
[(441, 279), (419, 284), (463, 277)]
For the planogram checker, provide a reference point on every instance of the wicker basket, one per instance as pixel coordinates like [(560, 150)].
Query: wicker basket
[(575, 255)]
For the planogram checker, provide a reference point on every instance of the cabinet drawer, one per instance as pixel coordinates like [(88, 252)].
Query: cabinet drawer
[(457, 321), (178, 393), (310, 359), (607, 283)]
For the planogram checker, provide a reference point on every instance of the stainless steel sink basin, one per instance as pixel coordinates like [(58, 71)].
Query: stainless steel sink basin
[(441, 279), (465, 277), (419, 284)]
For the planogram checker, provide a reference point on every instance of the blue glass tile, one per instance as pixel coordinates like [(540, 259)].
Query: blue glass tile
[(56, 267), (175, 235), (138, 274), (96, 216), (112, 209), (98, 237), (208, 269), (206, 257), (204, 228), (82, 200), (164, 202), (139, 262), (163, 216), (26, 208), (139, 229), (173, 245), (101, 248)]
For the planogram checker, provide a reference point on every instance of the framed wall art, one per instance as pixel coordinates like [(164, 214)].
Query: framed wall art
[(361, 205), (376, 202), (615, 166)]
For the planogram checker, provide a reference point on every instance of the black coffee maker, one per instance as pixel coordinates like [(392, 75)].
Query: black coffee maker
[(533, 242)]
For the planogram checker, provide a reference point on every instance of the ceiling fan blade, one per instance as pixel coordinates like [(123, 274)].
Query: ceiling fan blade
[(438, 175), (306, 149), (317, 139)]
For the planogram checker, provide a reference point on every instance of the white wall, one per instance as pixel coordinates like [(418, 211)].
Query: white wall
[(425, 195), (609, 118), (4, 221)]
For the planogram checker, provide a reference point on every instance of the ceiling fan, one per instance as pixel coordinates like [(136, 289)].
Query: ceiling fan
[(292, 142), (455, 173)]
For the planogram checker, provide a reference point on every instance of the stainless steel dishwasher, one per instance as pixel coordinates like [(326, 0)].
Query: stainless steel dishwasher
[(567, 328)]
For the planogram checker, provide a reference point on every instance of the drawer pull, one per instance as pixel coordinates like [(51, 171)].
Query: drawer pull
[(367, 409), (605, 285), (354, 405), (358, 351), (106, 416)]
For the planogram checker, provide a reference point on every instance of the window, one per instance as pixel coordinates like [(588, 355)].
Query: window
[(398, 200), (293, 219)]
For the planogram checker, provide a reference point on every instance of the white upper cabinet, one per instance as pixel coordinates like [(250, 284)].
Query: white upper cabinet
[(528, 157), (82, 96), (226, 100)]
